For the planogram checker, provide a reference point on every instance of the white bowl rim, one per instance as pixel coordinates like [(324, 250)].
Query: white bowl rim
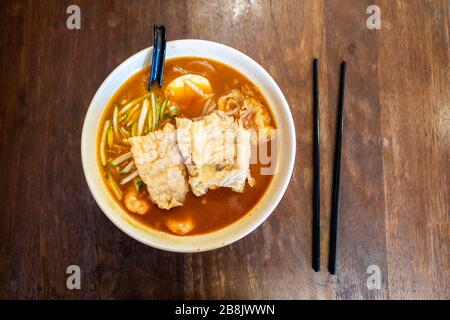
[(126, 227)]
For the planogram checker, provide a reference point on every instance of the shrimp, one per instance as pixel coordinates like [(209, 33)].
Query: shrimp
[(180, 227), (134, 203)]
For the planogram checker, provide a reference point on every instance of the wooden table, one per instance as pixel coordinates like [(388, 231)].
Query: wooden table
[(395, 201)]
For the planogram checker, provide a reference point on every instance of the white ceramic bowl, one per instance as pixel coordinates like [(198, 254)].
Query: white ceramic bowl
[(240, 228)]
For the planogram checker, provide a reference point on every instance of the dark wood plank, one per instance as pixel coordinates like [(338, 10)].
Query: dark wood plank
[(362, 228), (395, 182), (414, 73)]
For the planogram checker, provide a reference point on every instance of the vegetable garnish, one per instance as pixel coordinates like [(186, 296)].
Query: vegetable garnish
[(138, 183), (109, 137), (174, 110), (154, 111), (103, 142), (163, 108), (114, 186)]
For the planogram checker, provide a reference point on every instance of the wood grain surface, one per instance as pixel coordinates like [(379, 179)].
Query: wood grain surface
[(395, 204)]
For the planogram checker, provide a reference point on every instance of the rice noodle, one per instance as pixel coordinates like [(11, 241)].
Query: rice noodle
[(124, 132), (112, 152), (194, 87), (179, 69), (203, 63), (212, 107), (128, 167), (209, 106), (133, 129), (206, 107), (121, 158), (129, 177), (142, 117), (231, 112), (121, 148), (131, 115), (131, 104)]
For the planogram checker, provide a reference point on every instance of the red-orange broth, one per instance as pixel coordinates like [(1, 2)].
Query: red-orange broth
[(217, 208)]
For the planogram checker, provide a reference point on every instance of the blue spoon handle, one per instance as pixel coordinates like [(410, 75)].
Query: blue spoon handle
[(159, 53)]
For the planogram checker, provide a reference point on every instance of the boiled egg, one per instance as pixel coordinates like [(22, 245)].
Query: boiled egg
[(188, 87)]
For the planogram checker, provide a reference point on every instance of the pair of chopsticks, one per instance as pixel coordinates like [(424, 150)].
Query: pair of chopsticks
[(336, 171), (158, 57)]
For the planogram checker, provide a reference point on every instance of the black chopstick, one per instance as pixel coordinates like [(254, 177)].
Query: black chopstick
[(159, 54), (337, 173), (316, 199)]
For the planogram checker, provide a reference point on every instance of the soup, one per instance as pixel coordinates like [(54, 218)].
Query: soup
[(194, 90)]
